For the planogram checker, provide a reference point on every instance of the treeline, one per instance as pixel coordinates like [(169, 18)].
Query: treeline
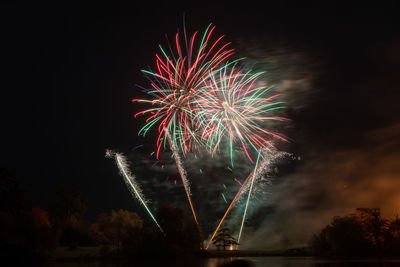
[(30, 233), (364, 233)]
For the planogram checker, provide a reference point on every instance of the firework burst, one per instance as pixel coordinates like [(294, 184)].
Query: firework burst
[(233, 104), (198, 98), (175, 80)]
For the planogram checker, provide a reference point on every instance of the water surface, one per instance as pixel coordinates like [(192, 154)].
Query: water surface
[(255, 261)]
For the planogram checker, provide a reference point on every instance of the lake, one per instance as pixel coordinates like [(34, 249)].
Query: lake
[(256, 262)]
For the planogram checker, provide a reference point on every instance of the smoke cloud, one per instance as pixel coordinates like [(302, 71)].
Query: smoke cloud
[(350, 148), (329, 184)]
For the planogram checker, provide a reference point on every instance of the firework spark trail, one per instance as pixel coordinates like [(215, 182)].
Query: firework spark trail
[(199, 98), (182, 173), (233, 103), (237, 181), (129, 179), (259, 171), (223, 196), (248, 199), (175, 80), (229, 208), (265, 163), (268, 159)]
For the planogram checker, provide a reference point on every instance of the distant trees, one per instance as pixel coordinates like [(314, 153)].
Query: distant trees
[(118, 226), (224, 239), (8, 183), (12, 197), (68, 206), (122, 234), (66, 215), (26, 235), (343, 237), (181, 233), (392, 237), (364, 233), (29, 233), (25, 230)]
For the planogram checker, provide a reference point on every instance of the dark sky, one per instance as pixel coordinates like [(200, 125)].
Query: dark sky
[(69, 73)]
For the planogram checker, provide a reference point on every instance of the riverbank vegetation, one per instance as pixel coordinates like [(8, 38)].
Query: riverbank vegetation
[(31, 233), (364, 233)]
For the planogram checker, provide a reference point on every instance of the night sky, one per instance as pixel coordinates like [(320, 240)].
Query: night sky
[(70, 72)]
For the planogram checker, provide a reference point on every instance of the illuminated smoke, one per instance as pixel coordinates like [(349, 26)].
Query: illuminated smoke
[(266, 164)]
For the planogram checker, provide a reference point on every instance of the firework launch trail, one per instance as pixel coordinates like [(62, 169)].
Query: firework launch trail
[(130, 181), (268, 159), (182, 173)]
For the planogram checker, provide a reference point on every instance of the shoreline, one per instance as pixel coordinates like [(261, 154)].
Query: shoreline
[(93, 253), (89, 254)]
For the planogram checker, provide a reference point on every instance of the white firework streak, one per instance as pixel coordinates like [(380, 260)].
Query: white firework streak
[(256, 171), (130, 181), (178, 160), (265, 165), (182, 173), (260, 169), (129, 178)]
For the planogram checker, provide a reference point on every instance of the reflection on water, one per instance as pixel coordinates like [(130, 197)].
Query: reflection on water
[(252, 261)]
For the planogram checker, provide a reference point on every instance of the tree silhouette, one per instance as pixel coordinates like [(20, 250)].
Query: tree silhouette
[(66, 217), (181, 232), (12, 197), (115, 228), (8, 181), (374, 225), (364, 233), (25, 229), (224, 239), (68, 206)]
